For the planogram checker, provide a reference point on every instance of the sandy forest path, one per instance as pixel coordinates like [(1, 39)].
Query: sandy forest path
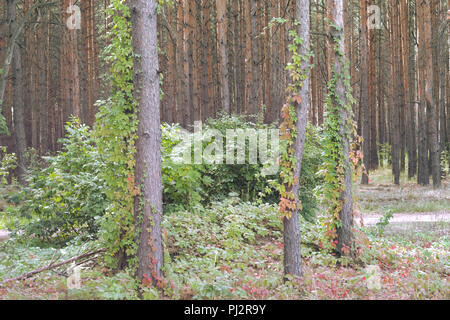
[(414, 207), (4, 235), (440, 216)]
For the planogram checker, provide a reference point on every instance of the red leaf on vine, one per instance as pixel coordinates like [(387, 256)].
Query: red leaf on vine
[(146, 281), (297, 99)]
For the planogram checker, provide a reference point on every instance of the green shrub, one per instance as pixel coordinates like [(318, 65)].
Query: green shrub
[(8, 162), (64, 198), (188, 185), (183, 184)]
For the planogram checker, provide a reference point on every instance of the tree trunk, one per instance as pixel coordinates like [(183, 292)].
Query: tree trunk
[(373, 149), (222, 45), (344, 233), (148, 204), (423, 169), (44, 132), (17, 87), (206, 57), (180, 67), (443, 77), (292, 254), (364, 99), (412, 145), (397, 88), (430, 98), (254, 93)]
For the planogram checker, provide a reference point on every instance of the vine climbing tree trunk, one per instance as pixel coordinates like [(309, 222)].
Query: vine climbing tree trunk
[(148, 203), (292, 254), (340, 102)]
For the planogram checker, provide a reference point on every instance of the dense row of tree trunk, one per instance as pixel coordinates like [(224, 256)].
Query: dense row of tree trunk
[(219, 55), (53, 71)]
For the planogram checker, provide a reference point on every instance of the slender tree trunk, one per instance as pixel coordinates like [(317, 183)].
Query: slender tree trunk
[(17, 87), (381, 91), (364, 99), (254, 97), (187, 108), (222, 45), (196, 27), (430, 98), (292, 255), (403, 85), (180, 65), (148, 204), (206, 56), (412, 145), (443, 77), (373, 150), (43, 88), (91, 61), (190, 43), (5, 106), (345, 234), (423, 168), (397, 88), (267, 66)]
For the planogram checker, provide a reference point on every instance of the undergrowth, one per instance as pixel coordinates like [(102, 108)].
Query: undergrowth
[(233, 250)]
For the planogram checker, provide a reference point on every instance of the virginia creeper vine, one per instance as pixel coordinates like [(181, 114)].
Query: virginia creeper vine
[(335, 133)]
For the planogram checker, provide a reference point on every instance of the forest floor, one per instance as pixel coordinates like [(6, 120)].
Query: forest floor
[(234, 250)]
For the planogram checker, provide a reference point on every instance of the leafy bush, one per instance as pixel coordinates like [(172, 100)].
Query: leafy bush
[(8, 162), (187, 185), (64, 198)]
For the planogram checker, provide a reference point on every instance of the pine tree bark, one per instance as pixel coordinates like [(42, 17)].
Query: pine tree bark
[(222, 45), (423, 177), (180, 66), (373, 149), (206, 56), (17, 87), (148, 204), (397, 89), (443, 77), (364, 98), (412, 144), (430, 98), (43, 86)]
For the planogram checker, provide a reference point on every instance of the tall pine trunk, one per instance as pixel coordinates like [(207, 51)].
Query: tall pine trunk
[(17, 95), (364, 98), (148, 204), (292, 255), (222, 45)]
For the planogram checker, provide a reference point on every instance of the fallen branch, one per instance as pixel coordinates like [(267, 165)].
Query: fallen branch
[(51, 266)]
